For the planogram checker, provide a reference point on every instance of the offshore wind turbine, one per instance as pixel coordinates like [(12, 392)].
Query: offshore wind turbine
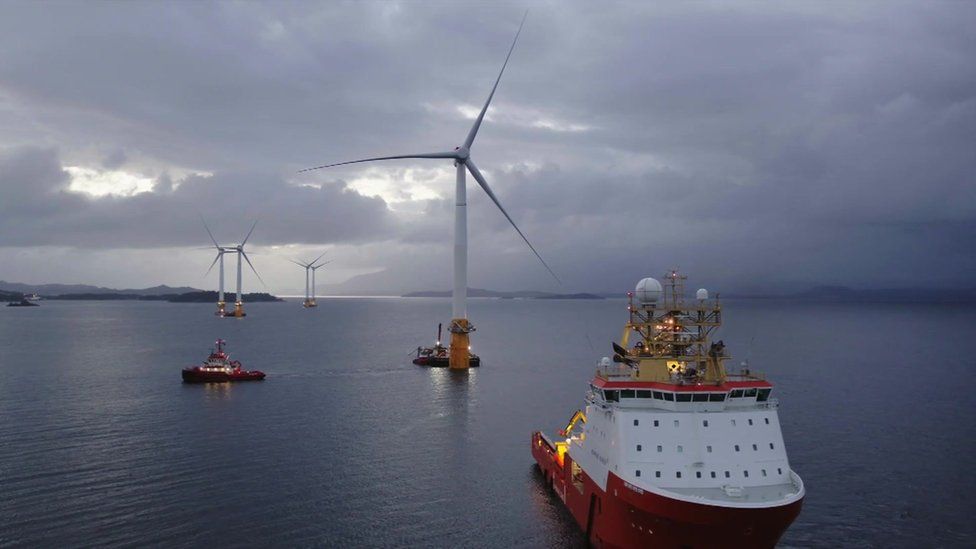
[(221, 250), (461, 157), (239, 249), (310, 267)]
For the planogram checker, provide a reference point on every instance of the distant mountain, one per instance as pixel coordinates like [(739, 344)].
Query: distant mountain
[(479, 292), (197, 296), (62, 289)]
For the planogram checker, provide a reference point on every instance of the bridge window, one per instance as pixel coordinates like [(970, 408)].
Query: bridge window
[(700, 397), (643, 394), (683, 397), (749, 393), (669, 397), (763, 395), (736, 394), (627, 393), (716, 397), (611, 396), (658, 395)]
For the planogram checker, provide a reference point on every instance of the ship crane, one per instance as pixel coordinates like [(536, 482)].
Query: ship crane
[(577, 417)]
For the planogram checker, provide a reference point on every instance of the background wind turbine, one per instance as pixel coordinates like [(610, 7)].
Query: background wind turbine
[(461, 156), (310, 266)]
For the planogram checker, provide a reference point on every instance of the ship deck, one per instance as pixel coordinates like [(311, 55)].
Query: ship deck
[(741, 496)]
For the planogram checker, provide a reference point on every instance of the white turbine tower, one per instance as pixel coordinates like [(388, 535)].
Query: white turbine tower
[(461, 156), (221, 250), (310, 267), (239, 249)]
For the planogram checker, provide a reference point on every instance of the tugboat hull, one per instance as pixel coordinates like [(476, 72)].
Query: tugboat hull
[(194, 375), (443, 361), (624, 516)]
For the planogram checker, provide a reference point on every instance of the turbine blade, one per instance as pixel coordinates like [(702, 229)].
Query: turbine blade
[(249, 233), (450, 154), (481, 116), (244, 255), (297, 263), (316, 260), (484, 185), (208, 231), (322, 264), (212, 264)]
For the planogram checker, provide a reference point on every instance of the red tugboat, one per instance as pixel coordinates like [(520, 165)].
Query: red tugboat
[(672, 450), (439, 356), (220, 368)]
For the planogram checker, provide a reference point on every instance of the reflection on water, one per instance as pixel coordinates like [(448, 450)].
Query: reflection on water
[(347, 443)]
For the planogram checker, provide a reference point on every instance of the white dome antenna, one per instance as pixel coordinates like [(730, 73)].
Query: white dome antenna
[(701, 294), (648, 291)]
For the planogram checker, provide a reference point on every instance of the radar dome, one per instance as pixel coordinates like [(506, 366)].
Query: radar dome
[(648, 291), (702, 294)]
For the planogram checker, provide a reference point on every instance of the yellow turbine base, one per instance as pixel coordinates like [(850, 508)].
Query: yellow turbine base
[(238, 309), (460, 343), (220, 308)]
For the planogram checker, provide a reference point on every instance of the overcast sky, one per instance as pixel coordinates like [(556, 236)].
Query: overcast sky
[(775, 145)]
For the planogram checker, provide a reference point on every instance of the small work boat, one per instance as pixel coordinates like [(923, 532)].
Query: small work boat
[(439, 356), (219, 368)]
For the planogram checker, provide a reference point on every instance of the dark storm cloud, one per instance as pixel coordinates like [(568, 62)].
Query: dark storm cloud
[(797, 143)]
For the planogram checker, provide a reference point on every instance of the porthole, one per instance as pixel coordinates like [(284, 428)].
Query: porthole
[(660, 448), (705, 423), (764, 472), (755, 448), (750, 422), (675, 423), (680, 449), (656, 423), (708, 449), (746, 473), (770, 445), (636, 422), (779, 470), (638, 447), (698, 474), (727, 474), (713, 474), (677, 474), (736, 447), (657, 474), (767, 421), (733, 423), (638, 472)]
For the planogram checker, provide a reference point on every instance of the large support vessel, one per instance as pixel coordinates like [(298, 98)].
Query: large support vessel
[(672, 450)]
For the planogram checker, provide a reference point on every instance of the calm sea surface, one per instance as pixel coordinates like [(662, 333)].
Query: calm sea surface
[(349, 444)]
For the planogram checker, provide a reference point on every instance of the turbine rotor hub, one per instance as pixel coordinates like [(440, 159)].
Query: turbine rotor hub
[(462, 153)]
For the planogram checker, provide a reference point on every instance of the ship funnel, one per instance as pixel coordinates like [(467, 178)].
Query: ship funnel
[(648, 291)]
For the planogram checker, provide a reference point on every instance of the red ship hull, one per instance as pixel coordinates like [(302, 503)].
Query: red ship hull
[(623, 517), (195, 375)]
